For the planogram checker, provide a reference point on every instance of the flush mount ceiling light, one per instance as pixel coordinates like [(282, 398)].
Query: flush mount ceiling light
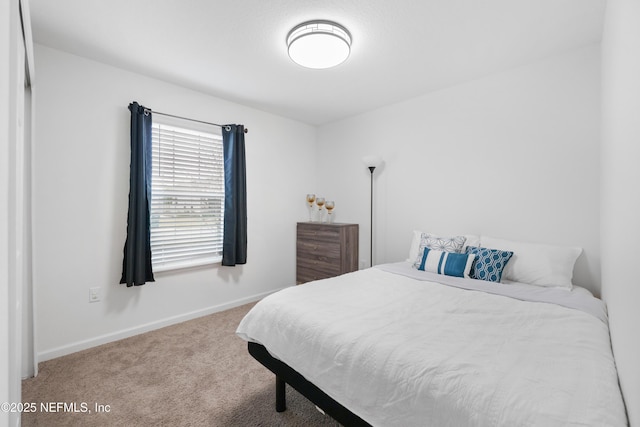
[(319, 44)]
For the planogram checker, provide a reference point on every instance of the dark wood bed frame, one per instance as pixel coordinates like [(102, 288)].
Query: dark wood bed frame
[(287, 375)]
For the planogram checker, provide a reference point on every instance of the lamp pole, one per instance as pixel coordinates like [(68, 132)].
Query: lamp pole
[(371, 169), (371, 162)]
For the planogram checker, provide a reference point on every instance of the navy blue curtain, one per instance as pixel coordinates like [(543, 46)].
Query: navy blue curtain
[(136, 265), (234, 246)]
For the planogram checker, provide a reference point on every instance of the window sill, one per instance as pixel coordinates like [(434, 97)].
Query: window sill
[(187, 264)]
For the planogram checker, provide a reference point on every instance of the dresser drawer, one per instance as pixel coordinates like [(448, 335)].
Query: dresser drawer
[(318, 233), (314, 269), (325, 250), (314, 249)]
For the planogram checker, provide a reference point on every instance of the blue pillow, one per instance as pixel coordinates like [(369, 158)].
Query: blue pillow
[(489, 263), (446, 263)]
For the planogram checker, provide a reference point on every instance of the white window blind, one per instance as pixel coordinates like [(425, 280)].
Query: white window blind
[(187, 203)]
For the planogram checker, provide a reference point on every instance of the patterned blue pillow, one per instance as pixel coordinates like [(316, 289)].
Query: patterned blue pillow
[(489, 263)]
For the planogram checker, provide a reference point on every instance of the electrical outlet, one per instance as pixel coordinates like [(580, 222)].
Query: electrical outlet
[(94, 294)]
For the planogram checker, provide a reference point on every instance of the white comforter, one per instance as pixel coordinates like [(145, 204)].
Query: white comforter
[(398, 351)]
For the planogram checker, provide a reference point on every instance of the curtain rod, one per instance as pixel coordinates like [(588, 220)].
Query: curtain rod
[(227, 127)]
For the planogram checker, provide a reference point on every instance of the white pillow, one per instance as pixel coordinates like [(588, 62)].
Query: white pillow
[(537, 264), (415, 246), (471, 240)]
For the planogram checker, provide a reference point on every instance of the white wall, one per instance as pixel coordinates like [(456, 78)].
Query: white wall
[(620, 195), (512, 155), (81, 192)]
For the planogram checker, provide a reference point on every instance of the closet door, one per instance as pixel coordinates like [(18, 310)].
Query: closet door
[(24, 214), (15, 49), (21, 349), (16, 224), (22, 196)]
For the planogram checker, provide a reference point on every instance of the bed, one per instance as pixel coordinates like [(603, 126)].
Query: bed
[(394, 345)]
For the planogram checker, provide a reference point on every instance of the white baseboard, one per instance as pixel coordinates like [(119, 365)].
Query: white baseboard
[(147, 327)]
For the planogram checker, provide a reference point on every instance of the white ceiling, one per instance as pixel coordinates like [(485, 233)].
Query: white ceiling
[(235, 49)]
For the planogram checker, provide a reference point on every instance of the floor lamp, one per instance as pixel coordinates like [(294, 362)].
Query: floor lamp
[(371, 162)]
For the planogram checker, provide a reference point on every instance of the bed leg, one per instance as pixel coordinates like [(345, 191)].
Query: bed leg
[(281, 399)]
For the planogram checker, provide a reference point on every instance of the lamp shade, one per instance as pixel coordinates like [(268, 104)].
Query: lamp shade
[(372, 161), (319, 44)]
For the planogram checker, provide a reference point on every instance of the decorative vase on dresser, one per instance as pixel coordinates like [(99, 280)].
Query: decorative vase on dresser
[(325, 250)]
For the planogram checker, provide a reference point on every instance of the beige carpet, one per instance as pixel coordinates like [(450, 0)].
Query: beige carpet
[(197, 373)]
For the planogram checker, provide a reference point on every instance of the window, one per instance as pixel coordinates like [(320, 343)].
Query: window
[(187, 202)]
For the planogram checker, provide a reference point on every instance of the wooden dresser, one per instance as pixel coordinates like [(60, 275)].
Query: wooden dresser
[(325, 250)]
